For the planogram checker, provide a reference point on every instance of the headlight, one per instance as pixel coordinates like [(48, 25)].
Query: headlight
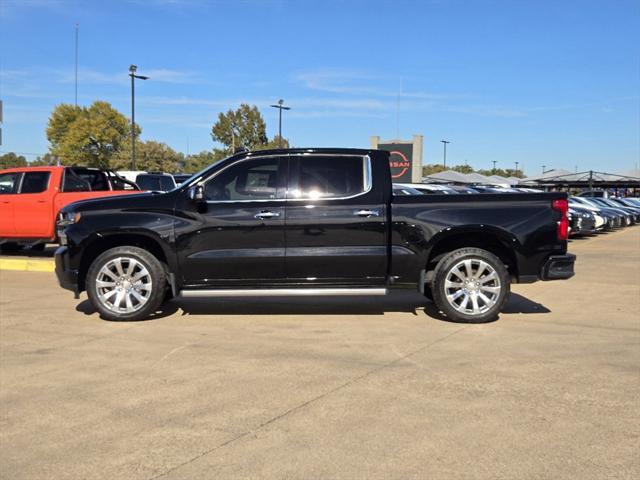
[(67, 218)]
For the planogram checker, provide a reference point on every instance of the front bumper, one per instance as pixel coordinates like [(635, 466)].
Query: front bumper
[(67, 277), (558, 267)]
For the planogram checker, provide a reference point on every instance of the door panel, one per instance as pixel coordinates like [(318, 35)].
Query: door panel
[(240, 236), (7, 228), (229, 242), (8, 186), (336, 227), (331, 242), (33, 209)]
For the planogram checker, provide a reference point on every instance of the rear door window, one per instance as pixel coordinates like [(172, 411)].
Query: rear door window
[(167, 183), (331, 177), (35, 182)]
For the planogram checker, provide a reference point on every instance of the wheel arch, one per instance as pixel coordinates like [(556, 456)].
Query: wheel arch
[(102, 243), (492, 239)]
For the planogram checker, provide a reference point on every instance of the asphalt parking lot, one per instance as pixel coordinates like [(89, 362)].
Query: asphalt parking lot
[(342, 388)]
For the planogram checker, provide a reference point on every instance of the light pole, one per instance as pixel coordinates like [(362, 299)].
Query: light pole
[(517, 168), (132, 74), (280, 106), (444, 143), (543, 166), (494, 166)]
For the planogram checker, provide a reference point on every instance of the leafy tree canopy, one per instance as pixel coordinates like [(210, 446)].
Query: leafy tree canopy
[(274, 143), (436, 168), (151, 156), (243, 127), (508, 172), (43, 161), (89, 136), (195, 163), (12, 160)]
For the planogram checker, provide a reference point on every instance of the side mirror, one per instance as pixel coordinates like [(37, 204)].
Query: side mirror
[(196, 193)]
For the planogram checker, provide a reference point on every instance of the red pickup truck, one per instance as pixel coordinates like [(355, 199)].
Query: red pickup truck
[(31, 197)]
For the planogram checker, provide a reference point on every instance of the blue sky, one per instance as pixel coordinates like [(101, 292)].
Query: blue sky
[(538, 82)]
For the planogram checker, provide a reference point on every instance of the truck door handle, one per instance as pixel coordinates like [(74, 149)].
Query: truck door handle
[(266, 214), (367, 213)]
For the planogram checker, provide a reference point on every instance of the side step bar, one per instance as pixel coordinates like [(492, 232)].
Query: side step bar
[(282, 292)]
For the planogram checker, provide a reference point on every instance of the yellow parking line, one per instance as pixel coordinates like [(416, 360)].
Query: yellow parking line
[(27, 265)]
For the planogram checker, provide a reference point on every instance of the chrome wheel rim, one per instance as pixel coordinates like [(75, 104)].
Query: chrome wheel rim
[(472, 287), (124, 285)]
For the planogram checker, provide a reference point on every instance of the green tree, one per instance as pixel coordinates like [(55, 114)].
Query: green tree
[(89, 136), (195, 163), (12, 160), (273, 144), (43, 161), (509, 172), (151, 156), (243, 127), (462, 168), (432, 168)]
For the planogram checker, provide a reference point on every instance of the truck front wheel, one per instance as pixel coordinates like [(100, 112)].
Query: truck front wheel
[(126, 283), (471, 285)]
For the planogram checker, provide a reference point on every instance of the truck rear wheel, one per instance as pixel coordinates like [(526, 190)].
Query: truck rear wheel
[(471, 285), (126, 283)]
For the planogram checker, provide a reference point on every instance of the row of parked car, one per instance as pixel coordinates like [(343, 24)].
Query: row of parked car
[(589, 212)]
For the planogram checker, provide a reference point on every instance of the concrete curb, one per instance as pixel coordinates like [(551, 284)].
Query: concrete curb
[(27, 265)]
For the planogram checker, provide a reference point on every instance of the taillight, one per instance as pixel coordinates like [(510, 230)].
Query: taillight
[(562, 206)]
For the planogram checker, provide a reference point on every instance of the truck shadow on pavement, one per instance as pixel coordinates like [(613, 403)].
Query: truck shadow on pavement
[(402, 302), (48, 252)]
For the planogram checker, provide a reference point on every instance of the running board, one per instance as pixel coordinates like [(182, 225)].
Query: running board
[(282, 292)]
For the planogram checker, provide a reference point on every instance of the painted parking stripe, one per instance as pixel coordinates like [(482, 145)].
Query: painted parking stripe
[(27, 265)]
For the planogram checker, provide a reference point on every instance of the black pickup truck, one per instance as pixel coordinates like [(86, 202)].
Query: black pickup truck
[(309, 222)]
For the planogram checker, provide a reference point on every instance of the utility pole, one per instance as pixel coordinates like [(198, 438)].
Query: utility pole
[(280, 107), (132, 74), (444, 143), (77, 26)]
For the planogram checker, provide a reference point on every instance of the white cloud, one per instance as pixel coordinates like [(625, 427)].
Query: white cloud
[(361, 83), (89, 76)]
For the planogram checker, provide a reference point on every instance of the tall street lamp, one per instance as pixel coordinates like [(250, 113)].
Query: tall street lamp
[(132, 74), (517, 168), (280, 106), (444, 143), (494, 166)]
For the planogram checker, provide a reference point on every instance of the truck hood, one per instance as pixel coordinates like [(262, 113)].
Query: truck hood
[(117, 202)]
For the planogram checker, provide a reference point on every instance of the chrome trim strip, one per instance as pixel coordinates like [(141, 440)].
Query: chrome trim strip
[(367, 180), (282, 292)]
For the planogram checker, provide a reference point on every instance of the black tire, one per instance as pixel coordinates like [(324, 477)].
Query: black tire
[(156, 273), (487, 312)]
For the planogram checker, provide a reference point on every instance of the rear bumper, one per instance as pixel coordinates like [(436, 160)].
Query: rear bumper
[(67, 277), (558, 267)]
